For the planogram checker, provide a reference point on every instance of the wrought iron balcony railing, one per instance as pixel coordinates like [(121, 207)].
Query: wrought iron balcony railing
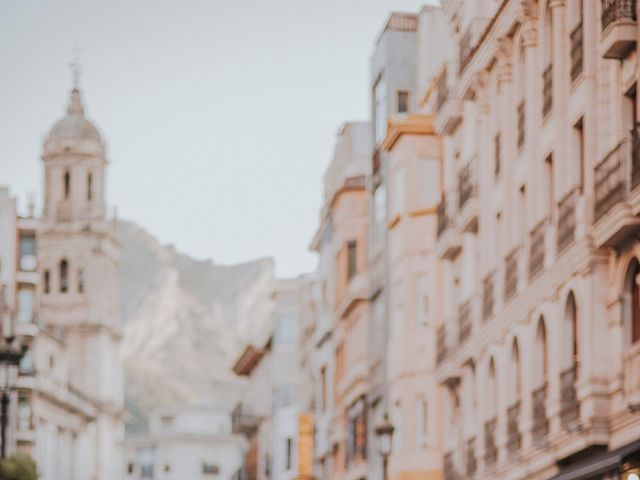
[(537, 249), (488, 296), (540, 426), (567, 220), (513, 428), (464, 321), (617, 10), (490, 449), (617, 174), (466, 184), (511, 274), (471, 462), (547, 90), (569, 406), (577, 51)]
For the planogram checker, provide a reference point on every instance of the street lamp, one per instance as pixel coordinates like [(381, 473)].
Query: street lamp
[(10, 357), (384, 432)]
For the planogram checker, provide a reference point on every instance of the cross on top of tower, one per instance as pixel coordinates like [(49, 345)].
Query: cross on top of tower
[(76, 68)]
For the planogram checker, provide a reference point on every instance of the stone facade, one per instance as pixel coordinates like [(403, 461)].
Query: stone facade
[(69, 399)]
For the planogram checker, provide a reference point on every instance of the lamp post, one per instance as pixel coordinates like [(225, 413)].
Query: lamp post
[(384, 432), (10, 357)]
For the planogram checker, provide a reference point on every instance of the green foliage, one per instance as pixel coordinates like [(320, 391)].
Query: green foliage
[(18, 467)]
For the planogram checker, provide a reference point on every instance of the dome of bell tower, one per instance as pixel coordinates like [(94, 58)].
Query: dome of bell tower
[(73, 133)]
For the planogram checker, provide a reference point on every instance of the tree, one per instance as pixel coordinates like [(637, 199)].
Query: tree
[(18, 467)]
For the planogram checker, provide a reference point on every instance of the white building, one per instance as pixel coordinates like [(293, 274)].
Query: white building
[(191, 443), (60, 276)]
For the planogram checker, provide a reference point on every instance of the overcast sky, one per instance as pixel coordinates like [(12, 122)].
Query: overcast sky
[(219, 115)]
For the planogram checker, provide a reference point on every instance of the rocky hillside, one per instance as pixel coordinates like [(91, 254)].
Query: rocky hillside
[(185, 322)]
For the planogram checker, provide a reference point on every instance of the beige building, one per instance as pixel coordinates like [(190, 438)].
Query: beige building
[(538, 319), (62, 295)]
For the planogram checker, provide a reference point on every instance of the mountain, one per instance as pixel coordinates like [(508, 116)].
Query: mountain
[(185, 322)]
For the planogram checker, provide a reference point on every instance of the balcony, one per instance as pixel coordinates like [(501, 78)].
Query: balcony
[(449, 241), (488, 296), (547, 91), (449, 109), (490, 449), (619, 28), (471, 462), (632, 375), (540, 426), (577, 51), (569, 406), (464, 322), (467, 217), (511, 274), (514, 439), (537, 249), (243, 423), (567, 220), (616, 177)]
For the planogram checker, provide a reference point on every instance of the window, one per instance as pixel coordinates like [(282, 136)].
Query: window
[(522, 213), (422, 422), (67, 184), (323, 389), (130, 467), (25, 305), (549, 182), (89, 187), (403, 102), (629, 108), (430, 181), (47, 281), (289, 459), (632, 303), (351, 259), (380, 109), (496, 151), (166, 422), (541, 360), (514, 384), (64, 273), (27, 252), (80, 280), (578, 147), (571, 329), (210, 468)]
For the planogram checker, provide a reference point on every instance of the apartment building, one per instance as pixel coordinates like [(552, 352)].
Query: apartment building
[(270, 414), (193, 442), (537, 305)]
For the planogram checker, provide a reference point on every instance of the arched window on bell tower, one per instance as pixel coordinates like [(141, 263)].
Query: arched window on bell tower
[(67, 184), (89, 187), (64, 275)]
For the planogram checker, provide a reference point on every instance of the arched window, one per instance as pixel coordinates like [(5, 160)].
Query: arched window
[(541, 357), (515, 385), (47, 282), (571, 331), (492, 391), (89, 187), (67, 184), (548, 37), (64, 274), (631, 303)]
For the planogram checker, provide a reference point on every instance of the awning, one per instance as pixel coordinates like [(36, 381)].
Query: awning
[(596, 464)]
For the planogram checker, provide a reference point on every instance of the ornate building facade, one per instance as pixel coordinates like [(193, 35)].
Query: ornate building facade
[(538, 333), (63, 303)]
